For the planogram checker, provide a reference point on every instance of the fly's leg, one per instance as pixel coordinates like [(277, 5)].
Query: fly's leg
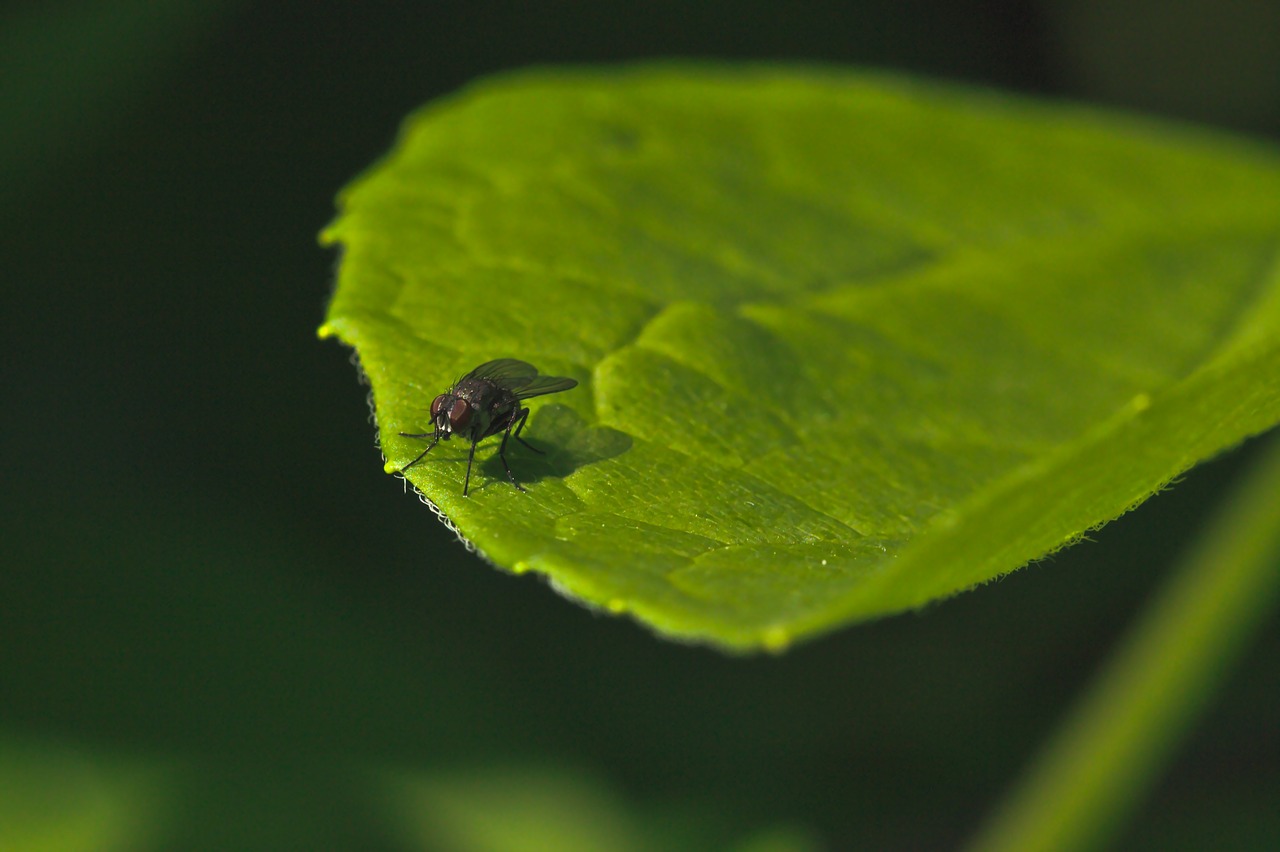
[(422, 454), (471, 458), (524, 415), (502, 450)]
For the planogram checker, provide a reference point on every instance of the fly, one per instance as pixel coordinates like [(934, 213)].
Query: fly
[(487, 401)]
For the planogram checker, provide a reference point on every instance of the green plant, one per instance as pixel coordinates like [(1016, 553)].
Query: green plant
[(848, 343)]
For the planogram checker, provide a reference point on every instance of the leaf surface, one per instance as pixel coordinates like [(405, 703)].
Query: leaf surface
[(847, 343)]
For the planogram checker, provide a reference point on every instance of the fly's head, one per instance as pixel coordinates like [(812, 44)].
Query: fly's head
[(450, 413)]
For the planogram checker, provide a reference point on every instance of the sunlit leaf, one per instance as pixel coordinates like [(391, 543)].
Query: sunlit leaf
[(847, 343)]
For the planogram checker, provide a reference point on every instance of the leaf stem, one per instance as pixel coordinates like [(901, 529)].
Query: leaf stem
[(1110, 751)]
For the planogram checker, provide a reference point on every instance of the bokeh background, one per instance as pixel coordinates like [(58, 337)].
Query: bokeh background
[(223, 626)]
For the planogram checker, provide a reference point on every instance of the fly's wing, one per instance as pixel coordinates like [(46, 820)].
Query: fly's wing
[(510, 372), (540, 385), (520, 377)]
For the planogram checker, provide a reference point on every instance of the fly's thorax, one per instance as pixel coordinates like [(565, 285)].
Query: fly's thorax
[(489, 404), (481, 393)]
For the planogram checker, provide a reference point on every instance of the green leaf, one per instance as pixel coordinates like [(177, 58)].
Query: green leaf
[(848, 343)]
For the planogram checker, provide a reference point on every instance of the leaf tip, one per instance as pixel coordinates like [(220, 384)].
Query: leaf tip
[(390, 467), (325, 331), (328, 236)]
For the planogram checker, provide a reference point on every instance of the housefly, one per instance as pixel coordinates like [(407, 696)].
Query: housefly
[(484, 402)]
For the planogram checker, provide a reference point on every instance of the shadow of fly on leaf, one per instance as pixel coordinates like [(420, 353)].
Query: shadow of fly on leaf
[(487, 401)]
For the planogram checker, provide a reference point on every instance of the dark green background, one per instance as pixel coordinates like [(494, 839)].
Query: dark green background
[(204, 561)]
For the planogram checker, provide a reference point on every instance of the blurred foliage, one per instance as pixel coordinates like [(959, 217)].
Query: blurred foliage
[(74, 69), (64, 799), (193, 609), (1103, 759)]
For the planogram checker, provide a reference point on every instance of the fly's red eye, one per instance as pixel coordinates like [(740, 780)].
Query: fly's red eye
[(436, 405), (460, 414)]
